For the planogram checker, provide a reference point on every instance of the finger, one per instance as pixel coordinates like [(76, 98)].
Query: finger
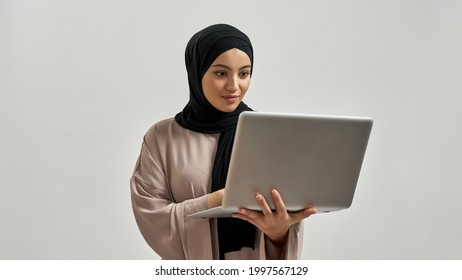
[(250, 214), (278, 202), (312, 210), (244, 218), (241, 216), (298, 216), (263, 205), (246, 215)]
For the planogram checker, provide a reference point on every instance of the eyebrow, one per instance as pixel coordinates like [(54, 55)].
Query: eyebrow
[(227, 67)]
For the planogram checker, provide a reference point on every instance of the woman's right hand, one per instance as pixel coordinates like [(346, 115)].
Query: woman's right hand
[(214, 199)]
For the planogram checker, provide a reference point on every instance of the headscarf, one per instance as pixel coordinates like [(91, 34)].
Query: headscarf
[(201, 116)]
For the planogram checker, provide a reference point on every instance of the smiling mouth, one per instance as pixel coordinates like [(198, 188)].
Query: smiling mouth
[(231, 99)]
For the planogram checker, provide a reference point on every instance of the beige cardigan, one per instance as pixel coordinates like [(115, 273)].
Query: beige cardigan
[(170, 181)]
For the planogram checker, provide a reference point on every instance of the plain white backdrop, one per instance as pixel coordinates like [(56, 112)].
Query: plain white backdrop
[(82, 81)]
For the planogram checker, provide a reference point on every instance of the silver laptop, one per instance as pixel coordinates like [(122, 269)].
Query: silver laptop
[(312, 160)]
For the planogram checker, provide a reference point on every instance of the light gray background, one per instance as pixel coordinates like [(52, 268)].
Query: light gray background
[(82, 81)]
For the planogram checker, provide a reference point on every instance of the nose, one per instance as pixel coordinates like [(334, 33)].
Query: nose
[(232, 84)]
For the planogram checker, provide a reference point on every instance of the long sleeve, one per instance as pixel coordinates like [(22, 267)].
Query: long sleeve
[(292, 249), (161, 210)]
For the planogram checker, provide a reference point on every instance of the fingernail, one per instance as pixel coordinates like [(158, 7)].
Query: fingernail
[(259, 197)]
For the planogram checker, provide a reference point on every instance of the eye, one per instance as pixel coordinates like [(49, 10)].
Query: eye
[(220, 73), (244, 74)]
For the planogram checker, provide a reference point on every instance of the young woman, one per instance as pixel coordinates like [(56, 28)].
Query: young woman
[(184, 160)]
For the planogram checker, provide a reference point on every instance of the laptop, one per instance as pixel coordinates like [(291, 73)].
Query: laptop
[(312, 160)]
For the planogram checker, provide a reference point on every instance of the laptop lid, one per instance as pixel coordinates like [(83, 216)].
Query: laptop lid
[(312, 160)]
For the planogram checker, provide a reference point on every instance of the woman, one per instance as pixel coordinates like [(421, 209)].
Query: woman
[(184, 160)]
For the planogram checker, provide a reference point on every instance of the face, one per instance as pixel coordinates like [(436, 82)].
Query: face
[(227, 80)]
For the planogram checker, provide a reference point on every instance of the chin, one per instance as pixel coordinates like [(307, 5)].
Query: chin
[(229, 109)]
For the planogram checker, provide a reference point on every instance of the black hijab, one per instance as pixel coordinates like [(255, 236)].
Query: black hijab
[(200, 116)]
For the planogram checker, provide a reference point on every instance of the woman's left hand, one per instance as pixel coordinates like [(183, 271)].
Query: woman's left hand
[(275, 224)]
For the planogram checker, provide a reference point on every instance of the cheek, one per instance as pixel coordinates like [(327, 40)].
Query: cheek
[(212, 87), (245, 86)]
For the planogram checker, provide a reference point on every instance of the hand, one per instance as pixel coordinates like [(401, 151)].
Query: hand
[(275, 224), (214, 199)]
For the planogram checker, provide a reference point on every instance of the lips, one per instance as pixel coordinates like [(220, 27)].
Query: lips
[(231, 98)]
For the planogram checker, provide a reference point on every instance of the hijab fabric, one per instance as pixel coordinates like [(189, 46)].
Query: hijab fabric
[(201, 116)]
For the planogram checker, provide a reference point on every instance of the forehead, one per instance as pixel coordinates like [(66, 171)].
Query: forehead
[(233, 57)]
